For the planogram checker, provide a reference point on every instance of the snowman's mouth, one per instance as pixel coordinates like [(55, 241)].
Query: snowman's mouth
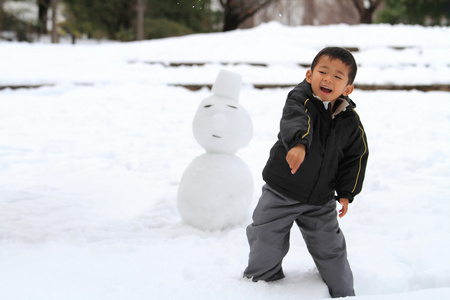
[(216, 136)]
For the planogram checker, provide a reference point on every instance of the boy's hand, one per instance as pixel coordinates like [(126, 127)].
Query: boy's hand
[(344, 202), (296, 156)]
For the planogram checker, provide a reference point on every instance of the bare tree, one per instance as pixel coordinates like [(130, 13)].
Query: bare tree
[(55, 4), (141, 6), (335, 12), (366, 9), (289, 9), (238, 11), (269, 13), (288, 12), (309, 13)]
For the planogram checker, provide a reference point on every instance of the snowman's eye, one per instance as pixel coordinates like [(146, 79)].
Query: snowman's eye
[(232, 106), (207, 106)]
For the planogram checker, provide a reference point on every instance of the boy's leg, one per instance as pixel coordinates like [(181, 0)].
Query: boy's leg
[(326, 244), (268, 235)]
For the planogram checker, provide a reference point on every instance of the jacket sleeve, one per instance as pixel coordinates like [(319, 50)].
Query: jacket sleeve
[(295, 124), (352, 167)]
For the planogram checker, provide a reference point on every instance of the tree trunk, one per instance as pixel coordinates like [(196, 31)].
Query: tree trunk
[(366, 13), (309, 14), (43, 6), (237, 11), (140, 8), (231, 17), (366, 17), (55, 4)]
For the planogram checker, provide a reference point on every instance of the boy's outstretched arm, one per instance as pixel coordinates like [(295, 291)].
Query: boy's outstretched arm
[(344, 202), (296, 156)]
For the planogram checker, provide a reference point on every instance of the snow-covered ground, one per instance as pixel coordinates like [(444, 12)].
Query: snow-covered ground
[(90, 166)]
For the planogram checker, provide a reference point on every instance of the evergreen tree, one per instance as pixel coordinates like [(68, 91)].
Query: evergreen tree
[(117, 19), (100, 18), (423, 12)]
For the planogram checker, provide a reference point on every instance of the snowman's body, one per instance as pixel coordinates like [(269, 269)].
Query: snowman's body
[(216, 189)]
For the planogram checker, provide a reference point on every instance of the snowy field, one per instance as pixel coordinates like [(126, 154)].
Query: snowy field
[(90, 166)]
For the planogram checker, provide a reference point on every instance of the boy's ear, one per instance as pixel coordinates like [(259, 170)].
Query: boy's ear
[(308, 76), (348, 90)]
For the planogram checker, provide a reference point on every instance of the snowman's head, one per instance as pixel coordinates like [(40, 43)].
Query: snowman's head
[(221, 124)]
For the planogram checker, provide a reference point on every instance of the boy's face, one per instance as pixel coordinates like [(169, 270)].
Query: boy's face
[(329, 79)]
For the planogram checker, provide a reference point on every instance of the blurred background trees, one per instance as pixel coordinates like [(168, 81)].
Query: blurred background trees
[(422, 12), (128, 20)]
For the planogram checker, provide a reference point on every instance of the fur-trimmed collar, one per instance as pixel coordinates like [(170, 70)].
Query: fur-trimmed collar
[(340, 105)]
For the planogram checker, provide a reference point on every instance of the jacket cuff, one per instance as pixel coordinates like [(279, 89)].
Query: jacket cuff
[(349, 196), (299, 142)]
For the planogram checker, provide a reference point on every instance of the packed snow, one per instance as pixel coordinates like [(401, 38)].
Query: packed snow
[(91, 163)]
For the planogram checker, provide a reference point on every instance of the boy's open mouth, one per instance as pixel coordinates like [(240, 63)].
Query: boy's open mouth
[(325, 90)]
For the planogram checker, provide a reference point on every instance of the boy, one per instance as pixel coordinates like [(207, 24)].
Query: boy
[(321, 150)]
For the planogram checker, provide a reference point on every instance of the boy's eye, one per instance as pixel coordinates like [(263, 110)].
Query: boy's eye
[(338, 77), (321, 72)]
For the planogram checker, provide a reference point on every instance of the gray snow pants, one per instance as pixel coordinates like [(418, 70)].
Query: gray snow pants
[(268, 237)]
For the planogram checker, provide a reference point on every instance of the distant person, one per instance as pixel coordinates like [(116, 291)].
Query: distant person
[(321, 151)]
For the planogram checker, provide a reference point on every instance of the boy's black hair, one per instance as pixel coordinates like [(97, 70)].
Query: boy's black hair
[(338, 53)]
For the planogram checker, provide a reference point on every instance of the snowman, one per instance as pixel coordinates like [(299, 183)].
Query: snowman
[(216, 188)]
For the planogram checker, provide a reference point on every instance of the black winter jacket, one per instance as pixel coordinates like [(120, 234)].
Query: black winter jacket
[(336, 150)]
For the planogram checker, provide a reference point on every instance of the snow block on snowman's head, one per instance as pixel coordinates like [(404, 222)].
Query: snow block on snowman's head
[(228, 85)]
